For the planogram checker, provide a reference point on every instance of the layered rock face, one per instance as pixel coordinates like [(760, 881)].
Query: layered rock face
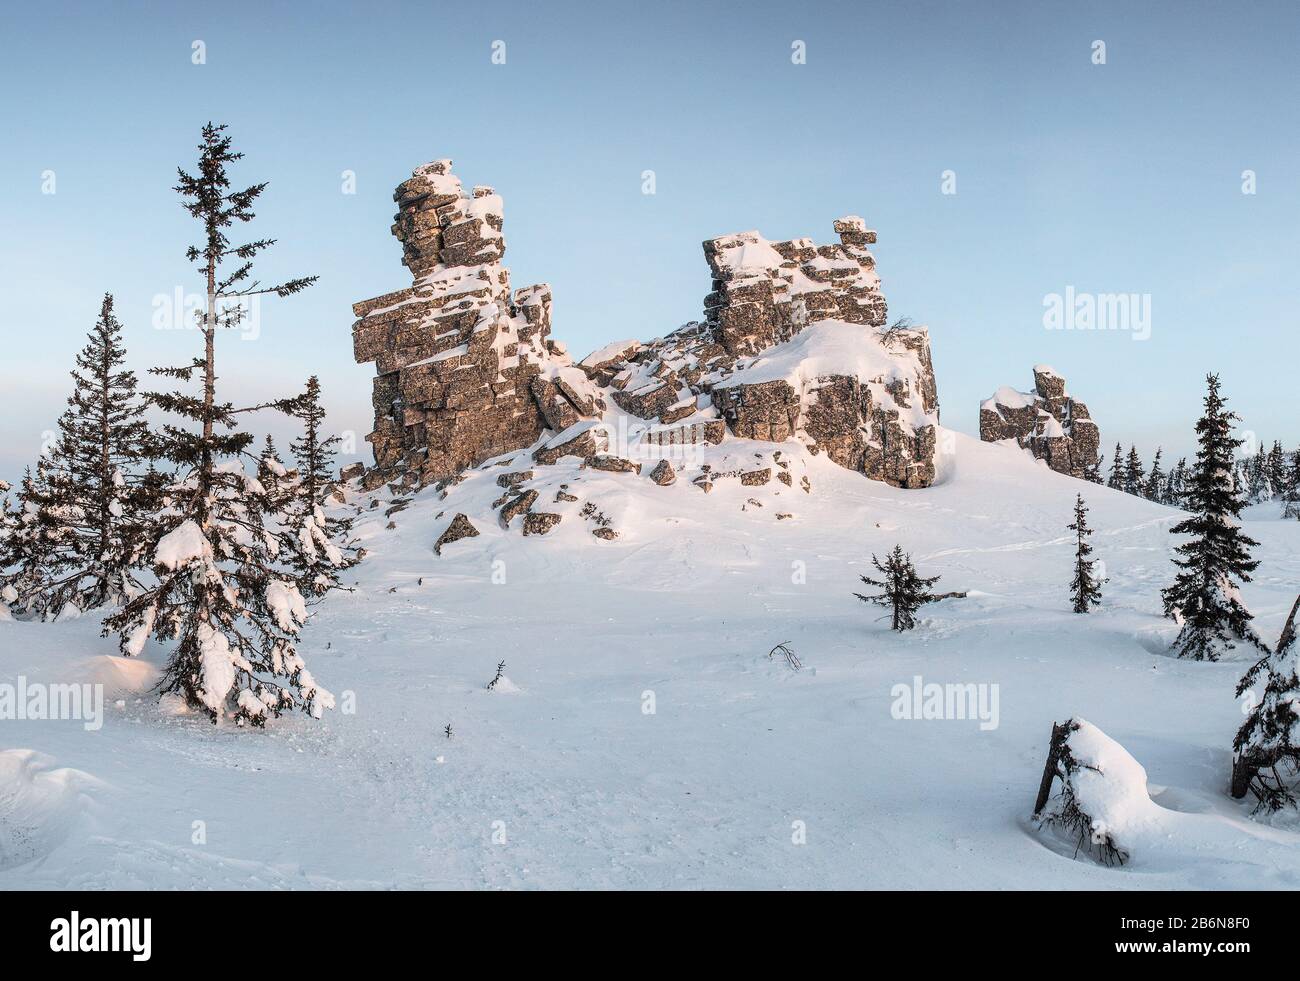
[(766, 292), (1049, 423), (792, 345), (464, 366)]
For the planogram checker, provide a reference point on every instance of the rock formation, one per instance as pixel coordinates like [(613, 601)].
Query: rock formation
[(465, 367), (1049, 423), (793, 344)]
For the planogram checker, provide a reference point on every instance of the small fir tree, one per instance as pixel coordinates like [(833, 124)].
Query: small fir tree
[(1085, 587), (901, 589), (1154, 488), (1133, 473), (1115, 480), (1204, 598), (323, 540), (91, 493)]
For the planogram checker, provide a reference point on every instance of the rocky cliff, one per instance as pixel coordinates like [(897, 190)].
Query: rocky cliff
[(792, 345), (1049, 423)]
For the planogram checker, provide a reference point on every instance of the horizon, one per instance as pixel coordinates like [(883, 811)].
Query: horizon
[(1105, 199)]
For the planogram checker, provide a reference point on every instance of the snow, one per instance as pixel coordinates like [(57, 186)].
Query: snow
[(595, 791), (834, 347), (182, 545), (1110, 786), (286, 605), (1009, 397), (609, 352)]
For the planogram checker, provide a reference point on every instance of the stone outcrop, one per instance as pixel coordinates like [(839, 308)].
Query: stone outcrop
[(792, 345), (1049, 423), (766, 292), (806, 323), (464, 366)]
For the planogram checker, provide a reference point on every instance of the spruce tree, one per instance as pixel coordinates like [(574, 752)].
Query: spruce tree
[(1133, 473), (1276, 469), (1266, 750), (91, 492), (1092, 472), (1256, 479), (324, 547), (1291, 488), (1177, 484), (901, 589), (1085, 588), (1204, 598), (1153, 489), (225, 599), (30, 537), (1115, 480)]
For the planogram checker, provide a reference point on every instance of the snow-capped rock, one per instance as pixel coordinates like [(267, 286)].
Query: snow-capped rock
[(791, 347), (1049, 423)]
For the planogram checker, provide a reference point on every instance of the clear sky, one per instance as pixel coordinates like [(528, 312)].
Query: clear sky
[(1123, 177)]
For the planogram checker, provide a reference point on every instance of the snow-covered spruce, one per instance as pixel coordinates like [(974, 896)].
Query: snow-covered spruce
[(1085, 588), (1204, 598), (1103, 792), (1153, 488), (901, 589), (77, 535), (226, 595), (322, 542), (1266, 750)]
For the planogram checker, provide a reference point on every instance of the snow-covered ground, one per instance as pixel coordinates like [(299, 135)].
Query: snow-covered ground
[(561, 777)]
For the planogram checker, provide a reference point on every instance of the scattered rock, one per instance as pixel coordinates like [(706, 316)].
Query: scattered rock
[(518, 506), (577, 440), (663, 474), (608, 534), (612, 464), (756, 478), (460, 527), (513, 480), (540, 522)]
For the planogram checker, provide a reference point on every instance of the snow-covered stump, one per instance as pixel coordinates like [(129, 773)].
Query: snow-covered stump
[(1103, 795)]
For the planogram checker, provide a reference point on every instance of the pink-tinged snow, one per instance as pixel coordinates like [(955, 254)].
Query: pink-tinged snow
[(591, 792)]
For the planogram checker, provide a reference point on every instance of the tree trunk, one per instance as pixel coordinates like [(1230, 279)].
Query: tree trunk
[(1243, 772), (1059, 733)]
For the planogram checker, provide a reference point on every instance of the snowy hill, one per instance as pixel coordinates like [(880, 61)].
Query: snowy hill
[(562, 777)]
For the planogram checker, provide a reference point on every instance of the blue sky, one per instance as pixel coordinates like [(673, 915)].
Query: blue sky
[(1117, 178)]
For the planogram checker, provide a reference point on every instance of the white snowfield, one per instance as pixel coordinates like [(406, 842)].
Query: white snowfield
[(642, 738)]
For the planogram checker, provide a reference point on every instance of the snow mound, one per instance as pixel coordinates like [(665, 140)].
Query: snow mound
[(1103, 803), (118, 675), (39, 805)]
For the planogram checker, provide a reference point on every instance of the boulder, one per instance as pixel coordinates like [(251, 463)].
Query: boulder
[(460, 527), (540, 522), (663, 474), (516, 507)]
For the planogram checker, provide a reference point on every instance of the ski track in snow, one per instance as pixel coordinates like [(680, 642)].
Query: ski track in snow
[(561, 780)]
